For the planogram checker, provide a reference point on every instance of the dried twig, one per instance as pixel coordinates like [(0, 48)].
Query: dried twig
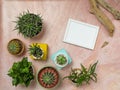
[(102, 17), (109, 8), (105, 44)]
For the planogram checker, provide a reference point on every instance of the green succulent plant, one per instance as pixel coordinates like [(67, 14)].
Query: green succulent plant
[(15, 46), (35, 50), (21, 72), (48, 77), (29, 24), (83, 75), (61, 59)]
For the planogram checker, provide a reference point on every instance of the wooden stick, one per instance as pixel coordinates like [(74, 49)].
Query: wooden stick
[(102, 17), (109, 8), (105, 44)]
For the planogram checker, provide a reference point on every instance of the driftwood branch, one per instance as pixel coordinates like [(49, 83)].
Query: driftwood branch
[(109, 8), (102, 17)]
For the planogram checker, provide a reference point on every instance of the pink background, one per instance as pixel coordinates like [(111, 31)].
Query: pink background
[(55, 14)]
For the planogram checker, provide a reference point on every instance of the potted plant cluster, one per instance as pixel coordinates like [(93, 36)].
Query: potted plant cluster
[(48, 77), (15, 47), (29, 24), (83, 75), (38, 51), (21, 72), (61, 58)]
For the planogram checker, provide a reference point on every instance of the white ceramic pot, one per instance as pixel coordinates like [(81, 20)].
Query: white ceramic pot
[(58, 65)]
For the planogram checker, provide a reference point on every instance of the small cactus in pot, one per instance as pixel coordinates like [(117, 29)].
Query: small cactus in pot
[(61, 60), (29, 24), (35, 51), (48, 77), (15, 47)]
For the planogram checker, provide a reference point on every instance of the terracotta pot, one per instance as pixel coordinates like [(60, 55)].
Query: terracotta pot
[(45, 83), (22, 47)]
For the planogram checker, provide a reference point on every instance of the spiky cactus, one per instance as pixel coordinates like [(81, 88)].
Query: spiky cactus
[(36, 51), (15, 47), (29, 24), (61, 59), (48, 77)]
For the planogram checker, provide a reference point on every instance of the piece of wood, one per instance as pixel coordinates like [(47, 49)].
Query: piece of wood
[(102, 17), (109, 8), (104, 44)]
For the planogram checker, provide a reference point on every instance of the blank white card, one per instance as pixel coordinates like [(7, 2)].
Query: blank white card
[(81, 34)]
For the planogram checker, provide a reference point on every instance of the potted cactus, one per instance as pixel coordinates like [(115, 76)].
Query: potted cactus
[(48, 77), (29, 24), (15, 47), (21, 72), (38, 51), (61, 60)]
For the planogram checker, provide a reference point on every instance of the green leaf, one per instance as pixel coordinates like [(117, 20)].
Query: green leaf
[(83, 69), (16, 66), (15, 82), (93, 67), (25, 62)]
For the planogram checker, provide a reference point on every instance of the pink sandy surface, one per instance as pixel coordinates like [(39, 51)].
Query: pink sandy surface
[(55, 14)]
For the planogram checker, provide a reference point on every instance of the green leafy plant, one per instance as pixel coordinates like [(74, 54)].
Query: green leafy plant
[(61, 59), (21, 72), (35, 50), (48, 77), (15, 47), (29, 24), (83, 75)]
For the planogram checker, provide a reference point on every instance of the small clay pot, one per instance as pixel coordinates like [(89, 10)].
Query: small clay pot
[(59, 65), (15, 47), (44, 81)]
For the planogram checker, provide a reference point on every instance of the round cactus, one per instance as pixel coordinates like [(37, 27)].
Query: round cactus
[(15, 47), (61, 59), (29, 24), (48, 77)]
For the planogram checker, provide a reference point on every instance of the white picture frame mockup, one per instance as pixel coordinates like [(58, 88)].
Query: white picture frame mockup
[(81, 34)]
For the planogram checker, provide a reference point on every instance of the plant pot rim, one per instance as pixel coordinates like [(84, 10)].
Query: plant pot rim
[(37, 35), (36, 57), (41, 70)]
